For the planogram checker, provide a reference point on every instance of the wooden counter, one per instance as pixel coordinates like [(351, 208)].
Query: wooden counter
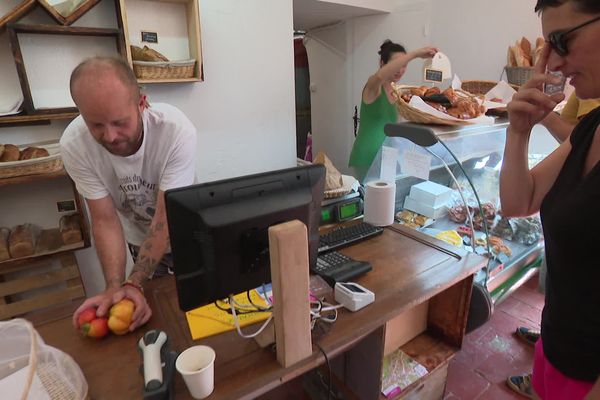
[(409, 268)]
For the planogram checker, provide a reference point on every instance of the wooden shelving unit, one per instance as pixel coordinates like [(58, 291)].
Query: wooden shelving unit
[(36, 119), (192, 21)]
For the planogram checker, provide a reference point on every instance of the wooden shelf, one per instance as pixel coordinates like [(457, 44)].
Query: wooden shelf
[(48, 243), (136, 17), (12, 120), (33, 178), (169, 80)]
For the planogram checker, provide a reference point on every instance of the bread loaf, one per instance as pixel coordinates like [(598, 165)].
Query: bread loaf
[(4, 253), (33, 152), (21, 242), (333, 178), (70, 231), (153, 55), (11, 153)]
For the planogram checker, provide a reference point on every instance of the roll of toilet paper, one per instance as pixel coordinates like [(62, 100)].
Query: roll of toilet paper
[(380, 199)]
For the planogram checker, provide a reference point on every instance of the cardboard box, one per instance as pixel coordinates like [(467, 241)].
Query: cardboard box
[(424, 209), (431, 194)]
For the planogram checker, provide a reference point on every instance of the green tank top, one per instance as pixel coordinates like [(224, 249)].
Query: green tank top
[(373, 117)]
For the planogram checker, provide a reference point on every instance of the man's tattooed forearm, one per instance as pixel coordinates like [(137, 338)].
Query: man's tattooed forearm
[(145, 265)]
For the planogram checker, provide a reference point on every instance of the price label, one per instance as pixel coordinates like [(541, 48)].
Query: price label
[(433, 75), (149, 37)]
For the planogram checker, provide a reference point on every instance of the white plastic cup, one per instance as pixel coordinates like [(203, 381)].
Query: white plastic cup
[(197, 366)]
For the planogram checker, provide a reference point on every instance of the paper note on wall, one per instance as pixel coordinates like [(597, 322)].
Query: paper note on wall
[(415, 164)]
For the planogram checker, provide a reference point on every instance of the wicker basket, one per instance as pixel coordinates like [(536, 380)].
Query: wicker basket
[(36, 166), (411, 114), (518, 75), (481, 87), (164, 69)]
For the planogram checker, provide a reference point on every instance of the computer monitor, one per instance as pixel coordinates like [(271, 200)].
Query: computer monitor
[(219, 230)]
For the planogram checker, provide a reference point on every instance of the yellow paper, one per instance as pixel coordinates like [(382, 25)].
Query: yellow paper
[(450, 237), (209, 320)]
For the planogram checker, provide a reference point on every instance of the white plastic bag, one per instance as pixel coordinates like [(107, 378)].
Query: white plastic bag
[(31, 369)]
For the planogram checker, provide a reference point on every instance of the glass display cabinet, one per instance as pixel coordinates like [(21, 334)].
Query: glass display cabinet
[(447, 186)]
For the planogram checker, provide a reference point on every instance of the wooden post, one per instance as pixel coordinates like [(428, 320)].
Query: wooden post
[(288, 247)]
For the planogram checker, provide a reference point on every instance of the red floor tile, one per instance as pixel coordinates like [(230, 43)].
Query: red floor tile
[(499, 391), (463, 382), (492, 353)]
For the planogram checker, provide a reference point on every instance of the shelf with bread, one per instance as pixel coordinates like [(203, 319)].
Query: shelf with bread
[(29, 241), (18, 164), (163, 39)]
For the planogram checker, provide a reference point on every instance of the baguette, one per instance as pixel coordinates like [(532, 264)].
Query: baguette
[(525, 45), (511, 61), (70, 232), (21, 242), (4, 253)]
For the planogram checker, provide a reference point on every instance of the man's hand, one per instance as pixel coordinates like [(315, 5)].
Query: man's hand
[(530, 105), (106, 299), (142, 312)]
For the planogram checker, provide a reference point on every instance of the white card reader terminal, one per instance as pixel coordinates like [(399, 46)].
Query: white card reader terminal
[(353, 296)]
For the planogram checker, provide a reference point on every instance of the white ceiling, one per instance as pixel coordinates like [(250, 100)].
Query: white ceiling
[(310, 14)]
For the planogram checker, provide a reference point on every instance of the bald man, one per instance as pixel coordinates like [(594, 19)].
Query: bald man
[(123, 154)]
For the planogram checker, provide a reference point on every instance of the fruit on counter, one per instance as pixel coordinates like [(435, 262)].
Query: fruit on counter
[(119, 316), (96, 328), (92, 326), (86, 316)]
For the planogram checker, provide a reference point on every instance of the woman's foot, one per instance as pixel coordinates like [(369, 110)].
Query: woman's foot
[(528, 335), (521, 384)]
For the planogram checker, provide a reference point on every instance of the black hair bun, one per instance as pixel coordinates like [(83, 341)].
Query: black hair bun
[(384, 46)]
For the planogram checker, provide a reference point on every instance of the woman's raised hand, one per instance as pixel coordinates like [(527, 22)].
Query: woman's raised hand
[(425, 52), (530, 104)]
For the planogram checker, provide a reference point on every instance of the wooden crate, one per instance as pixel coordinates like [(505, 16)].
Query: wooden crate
[(32, 285)]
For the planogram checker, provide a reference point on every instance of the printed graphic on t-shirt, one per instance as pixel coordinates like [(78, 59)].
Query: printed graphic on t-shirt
[(138, 198)]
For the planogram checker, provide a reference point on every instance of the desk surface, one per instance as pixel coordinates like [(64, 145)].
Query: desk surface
[(408, 269)]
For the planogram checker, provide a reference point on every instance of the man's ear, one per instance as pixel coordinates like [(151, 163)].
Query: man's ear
[(143, 103)]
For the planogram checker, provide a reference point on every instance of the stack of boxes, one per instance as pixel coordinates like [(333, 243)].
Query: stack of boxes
[(429, 199)]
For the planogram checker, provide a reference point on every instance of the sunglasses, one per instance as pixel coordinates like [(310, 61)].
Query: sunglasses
[(558, 39)]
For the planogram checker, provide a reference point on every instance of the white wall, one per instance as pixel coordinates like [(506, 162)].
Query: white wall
[(244, 111), (474, 34)]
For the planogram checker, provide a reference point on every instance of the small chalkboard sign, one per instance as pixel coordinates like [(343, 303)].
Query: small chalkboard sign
[(433, 75), (149, 37)]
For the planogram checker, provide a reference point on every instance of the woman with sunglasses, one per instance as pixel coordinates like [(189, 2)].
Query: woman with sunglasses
[(565, 189)]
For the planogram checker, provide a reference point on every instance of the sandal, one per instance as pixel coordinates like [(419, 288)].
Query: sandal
[(521, 384), (529, 336)]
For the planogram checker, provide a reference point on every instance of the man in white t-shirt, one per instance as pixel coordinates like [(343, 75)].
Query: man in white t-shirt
[(122, 155)]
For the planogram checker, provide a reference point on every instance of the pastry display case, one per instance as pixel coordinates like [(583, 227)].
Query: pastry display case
[(429, 170)]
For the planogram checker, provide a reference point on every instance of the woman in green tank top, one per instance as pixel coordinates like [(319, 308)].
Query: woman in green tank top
[(377, 106)]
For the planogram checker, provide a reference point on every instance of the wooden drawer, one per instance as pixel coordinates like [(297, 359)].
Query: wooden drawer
[(431, 388)]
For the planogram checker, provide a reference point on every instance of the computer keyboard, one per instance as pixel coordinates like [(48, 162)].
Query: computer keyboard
[(336, 267), (347, 235)]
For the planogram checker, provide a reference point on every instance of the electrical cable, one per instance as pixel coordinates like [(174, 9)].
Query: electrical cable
[(330, 388), (237, 324)]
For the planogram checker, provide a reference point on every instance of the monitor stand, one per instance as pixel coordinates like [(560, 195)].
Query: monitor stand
[(288, 247)]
